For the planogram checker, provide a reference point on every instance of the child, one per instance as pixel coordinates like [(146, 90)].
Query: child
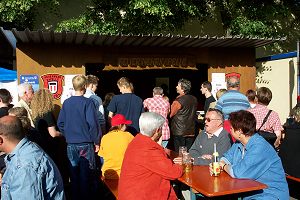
[(77, 121), (113, 146)]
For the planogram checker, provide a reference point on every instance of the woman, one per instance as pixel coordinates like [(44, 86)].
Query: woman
[(252, 157), (290, 145), (44, 122), (113, 146)]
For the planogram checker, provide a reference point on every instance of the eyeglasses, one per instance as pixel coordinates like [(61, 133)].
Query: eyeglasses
[(209, 119)]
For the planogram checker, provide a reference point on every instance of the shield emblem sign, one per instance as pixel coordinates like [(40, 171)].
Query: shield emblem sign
[(52, 85)]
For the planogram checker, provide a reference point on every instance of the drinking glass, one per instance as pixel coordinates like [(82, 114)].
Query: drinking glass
[(182, 150), (187, 161)]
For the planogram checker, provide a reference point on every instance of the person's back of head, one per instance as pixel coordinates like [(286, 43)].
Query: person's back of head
[(42, 103), (18, 111), (251, 95), (5, 96), (108, 97), (186, 85), (207, 85), (233, 83), (149, 122), (158, 91), (92, 82), (22, 114), (79, 82), (295, 113), (11, 128), (264, 96), (124, 82), (220, 92)]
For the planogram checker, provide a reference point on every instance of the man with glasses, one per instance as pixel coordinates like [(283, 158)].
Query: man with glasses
[(203, 147)]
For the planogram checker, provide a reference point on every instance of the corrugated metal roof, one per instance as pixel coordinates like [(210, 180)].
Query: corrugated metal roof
[(150, 40)]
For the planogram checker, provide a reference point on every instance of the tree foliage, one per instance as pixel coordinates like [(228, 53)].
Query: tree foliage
[(268, 18), (21, 14)]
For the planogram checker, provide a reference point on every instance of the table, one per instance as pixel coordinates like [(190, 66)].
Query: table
[(200, 180)]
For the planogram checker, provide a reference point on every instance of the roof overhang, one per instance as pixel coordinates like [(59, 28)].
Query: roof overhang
[(151, 40)]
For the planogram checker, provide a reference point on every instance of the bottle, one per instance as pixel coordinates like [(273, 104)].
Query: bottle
[(216, 164)]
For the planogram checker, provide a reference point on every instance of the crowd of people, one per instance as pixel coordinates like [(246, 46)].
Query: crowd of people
[(124, 137)]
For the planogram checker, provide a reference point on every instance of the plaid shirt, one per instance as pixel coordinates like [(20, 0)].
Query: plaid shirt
[(161, 106), (273, 122)]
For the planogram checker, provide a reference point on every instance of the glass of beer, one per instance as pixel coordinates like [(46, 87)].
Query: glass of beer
[(187, 161)]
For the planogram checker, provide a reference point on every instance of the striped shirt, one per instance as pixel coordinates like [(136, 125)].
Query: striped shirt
[(161, 106), (232, 101)]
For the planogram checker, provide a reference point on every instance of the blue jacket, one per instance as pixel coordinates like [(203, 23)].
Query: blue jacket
[(31, 174), (77, 121), (259, 162)]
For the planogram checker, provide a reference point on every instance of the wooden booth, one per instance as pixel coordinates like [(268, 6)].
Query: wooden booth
[(148, 60)]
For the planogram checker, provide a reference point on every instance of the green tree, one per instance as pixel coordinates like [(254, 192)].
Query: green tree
[(137, 16), (21, 14)]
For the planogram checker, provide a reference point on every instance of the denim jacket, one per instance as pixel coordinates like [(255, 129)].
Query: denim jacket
[(31, 174)]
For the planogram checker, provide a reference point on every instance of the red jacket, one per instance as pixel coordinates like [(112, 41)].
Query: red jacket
[(146, 172)]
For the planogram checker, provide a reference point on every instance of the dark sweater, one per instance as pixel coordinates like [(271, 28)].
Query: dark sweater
[(77, 121)]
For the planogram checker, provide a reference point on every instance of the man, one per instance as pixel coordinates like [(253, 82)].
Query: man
[(5, 100), (30, 172), (206, 91), (146, 170), (203, 147), (161, 106), (273, 124), (183, 115), (127, 104), (26, 93), (92, 85), (232, 100), (77, 121)]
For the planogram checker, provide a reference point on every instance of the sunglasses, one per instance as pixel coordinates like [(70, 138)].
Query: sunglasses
[(209, 119)]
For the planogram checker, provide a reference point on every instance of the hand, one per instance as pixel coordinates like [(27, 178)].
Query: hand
[(206, 156), (178, 160), (97, 147), (277, 142)]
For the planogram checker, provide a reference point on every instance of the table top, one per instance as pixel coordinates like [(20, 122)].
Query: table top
[(200, 180)]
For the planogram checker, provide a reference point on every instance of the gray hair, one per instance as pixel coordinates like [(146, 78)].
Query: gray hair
[(149, 122), (233, 82), (24, 87), (186, 85), (158, 91)]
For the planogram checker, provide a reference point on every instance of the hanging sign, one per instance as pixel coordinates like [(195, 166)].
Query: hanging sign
[(54, 83)]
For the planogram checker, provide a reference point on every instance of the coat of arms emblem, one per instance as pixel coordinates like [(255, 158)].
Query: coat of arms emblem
[(54, 83)]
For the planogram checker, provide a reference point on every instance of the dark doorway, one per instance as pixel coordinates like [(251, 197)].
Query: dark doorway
[(145, 80)]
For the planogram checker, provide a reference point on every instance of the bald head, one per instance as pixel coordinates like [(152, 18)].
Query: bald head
[(11, 128), (233, 83)]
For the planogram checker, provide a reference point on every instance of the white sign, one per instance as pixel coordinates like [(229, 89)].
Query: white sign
[(218, 82)]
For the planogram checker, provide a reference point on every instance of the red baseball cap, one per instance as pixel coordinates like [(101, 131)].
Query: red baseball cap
[(233, 74), (119, 119)]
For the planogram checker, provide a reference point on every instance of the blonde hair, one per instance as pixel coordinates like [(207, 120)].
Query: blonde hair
[(79, 82), (124, 82), (220, 93), (21, 113), (42, 103)]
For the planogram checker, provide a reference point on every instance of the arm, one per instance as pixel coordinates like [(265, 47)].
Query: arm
[(162, 165), (53, 132), (197, 154), (174, 108), (91, 119), (61, 120), (253, 165)]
